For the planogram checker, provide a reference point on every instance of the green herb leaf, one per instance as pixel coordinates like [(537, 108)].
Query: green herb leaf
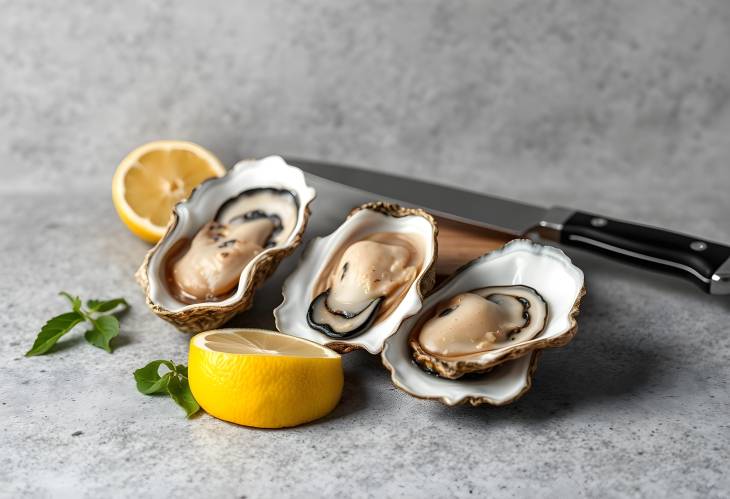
[(179, 390), (102, 306), (174, 383), (52, 331), (148, 377), (105, 328), (74, 300), (181, 370)]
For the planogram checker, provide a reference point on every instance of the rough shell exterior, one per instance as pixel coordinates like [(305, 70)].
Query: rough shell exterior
[(245, 174), (204, 318)]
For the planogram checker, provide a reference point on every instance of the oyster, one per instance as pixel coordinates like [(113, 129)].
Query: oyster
[(459, 329), (224, 241), (353, 288), (468, 364), (209, 267)]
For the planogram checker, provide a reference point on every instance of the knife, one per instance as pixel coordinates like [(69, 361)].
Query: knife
[(703, 262)]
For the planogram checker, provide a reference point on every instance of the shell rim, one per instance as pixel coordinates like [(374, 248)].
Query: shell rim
[(473, 400)]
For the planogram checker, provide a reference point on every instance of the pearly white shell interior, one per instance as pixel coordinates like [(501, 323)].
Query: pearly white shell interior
[(202, 206), (298, 290), (545, 268)]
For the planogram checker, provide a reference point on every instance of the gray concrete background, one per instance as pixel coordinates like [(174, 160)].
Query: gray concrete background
[(616, 107)]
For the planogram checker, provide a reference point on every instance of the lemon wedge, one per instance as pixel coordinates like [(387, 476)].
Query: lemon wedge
[(155, 176), (264, 379)]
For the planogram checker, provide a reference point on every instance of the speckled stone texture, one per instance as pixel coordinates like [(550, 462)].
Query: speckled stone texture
[(617, 107)]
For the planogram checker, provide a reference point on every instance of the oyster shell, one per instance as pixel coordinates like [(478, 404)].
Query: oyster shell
[(520, 263), (354, 287), (254, 193)]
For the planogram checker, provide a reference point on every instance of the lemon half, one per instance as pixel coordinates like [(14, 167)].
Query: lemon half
[(155, 176), (264, 379)]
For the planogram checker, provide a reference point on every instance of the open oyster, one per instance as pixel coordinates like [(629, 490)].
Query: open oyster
[(353, 288), (224, 241), (452, 339), (533, 293), (209, 266)]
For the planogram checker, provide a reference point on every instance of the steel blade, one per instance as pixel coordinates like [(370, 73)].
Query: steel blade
[(467, 206)]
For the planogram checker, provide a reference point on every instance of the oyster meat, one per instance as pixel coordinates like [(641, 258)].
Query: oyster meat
[(354, 287), (368, 280), (458, 331), (482, 319), (210, 266)]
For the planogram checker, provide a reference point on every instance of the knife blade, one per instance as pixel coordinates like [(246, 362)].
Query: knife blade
[(703, 262), (500, 214)]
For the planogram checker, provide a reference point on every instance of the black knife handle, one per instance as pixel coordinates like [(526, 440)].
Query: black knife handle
[(703, 262)]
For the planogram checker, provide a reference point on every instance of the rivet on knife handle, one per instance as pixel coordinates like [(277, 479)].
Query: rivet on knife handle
[(705, 263)]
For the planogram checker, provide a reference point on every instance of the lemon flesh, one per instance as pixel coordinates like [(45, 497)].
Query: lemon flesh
[(263, 379), (153, 178)]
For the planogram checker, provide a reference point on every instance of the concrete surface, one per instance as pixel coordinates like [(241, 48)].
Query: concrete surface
[(616, 107)]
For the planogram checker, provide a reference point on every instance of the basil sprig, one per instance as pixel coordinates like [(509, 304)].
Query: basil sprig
[(97, 314), (173, 383)]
